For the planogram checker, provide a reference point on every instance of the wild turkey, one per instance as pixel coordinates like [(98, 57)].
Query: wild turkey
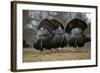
[(58, 39), (76, 28), (44, 35), (42, 39), (77, 38)]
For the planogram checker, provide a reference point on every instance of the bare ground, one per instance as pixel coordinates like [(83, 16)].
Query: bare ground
[(32, 55)]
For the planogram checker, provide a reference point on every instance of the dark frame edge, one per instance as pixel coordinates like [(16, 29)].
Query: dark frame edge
[(54, 4), (96, 35), (13, 36), (55, 68)]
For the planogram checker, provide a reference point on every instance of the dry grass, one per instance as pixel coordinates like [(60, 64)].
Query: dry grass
[(32, 55)]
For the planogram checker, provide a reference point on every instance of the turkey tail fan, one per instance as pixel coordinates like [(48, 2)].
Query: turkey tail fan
[(76, 23), (57, 23), (47, 24)]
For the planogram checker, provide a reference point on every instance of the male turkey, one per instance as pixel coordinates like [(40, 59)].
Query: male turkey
[(77, 38), (76, 28), (59, 39), (44, 35), (41, 39)]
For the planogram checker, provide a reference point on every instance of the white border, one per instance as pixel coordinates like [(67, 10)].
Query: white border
[(21, 65)]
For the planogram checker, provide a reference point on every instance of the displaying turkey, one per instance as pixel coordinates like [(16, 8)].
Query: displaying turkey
[(44, 35), (77, 39), (42, 39), (59, 39), (76, 28)]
